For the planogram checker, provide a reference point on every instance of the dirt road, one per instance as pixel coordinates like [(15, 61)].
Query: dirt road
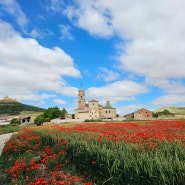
[(4, 138)]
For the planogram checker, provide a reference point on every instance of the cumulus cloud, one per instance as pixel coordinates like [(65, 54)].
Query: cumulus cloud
[(107, 75), (171, 99), (13, 8), (59, 102), (28, 66), (40, 33), (169, 86), (117, 91), (65, 32), (55, 6), (91, 17), (152, 33)]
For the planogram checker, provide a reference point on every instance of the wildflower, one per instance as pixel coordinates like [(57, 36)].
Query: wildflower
[(88, 183), (93, 162)]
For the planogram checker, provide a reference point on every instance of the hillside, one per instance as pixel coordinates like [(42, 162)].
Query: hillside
[(15, 108), (174, 110)]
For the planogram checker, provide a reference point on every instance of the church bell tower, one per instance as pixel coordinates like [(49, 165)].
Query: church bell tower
[(81, 98)]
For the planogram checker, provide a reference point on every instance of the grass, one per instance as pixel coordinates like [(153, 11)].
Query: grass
[(4, 129), (175, 110), (105, 154)]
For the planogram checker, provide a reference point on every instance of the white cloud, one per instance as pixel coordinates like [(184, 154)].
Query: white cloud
[(117, 91), (65, 32), (56, 5), (13, 8), (27, 66), (151, 33), (91, 17), (107, 75), (168, 86), (35, 34), (59, 101), (154, 31), (40, 33), (167, 100)]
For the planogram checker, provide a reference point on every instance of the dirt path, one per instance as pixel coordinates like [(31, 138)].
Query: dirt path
[(4, 138)]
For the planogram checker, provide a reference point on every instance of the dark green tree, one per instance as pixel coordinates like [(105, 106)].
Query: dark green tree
[(15, 121), (52, 113), (48, 115), (39, 120), (63, 113), (73, 116), (164, 112)]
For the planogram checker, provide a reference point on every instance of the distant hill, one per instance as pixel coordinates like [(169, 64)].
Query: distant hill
[(174, 110), (15, 108)]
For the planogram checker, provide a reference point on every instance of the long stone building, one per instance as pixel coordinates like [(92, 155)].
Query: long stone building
[(92, 109), (141, 114)]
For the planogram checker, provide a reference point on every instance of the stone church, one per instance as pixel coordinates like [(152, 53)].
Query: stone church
[(92, 109)]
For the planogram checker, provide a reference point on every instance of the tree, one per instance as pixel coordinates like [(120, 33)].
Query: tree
[(48, 115), (162, 113), (39, 120), (73, 116), (52, 113), (15, 121), (63, 113)]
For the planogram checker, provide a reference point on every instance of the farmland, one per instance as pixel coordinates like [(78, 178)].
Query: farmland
[(128, 153)]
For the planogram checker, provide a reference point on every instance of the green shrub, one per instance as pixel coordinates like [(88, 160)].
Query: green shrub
[(15, 121)]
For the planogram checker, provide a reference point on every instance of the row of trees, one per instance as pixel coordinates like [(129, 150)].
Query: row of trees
[(49, 114), (165, 112)]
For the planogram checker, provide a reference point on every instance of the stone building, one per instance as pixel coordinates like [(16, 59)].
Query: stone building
[(141, 114), (92, 109)]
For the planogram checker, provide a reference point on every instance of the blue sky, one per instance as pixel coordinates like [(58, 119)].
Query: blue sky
[(128, 52)]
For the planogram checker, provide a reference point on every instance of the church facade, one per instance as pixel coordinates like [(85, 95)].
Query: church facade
[(92, 109)]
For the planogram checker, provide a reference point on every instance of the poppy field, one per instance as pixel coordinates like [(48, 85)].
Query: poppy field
[(113, 153)]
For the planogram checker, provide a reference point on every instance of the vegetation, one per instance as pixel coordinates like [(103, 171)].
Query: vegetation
[(63, 113), (49, 114), (106, 154), (93, 120), (165, 112), (15, 121), (174, 110), (4, 129), (15, 108)]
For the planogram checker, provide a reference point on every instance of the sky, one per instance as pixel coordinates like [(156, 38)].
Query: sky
[(131, 53)]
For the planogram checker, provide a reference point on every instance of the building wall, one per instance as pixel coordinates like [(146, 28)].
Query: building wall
[(94, 114), (93, 104), (82, 114), (108, 112), (129, 116), (143, 114)]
